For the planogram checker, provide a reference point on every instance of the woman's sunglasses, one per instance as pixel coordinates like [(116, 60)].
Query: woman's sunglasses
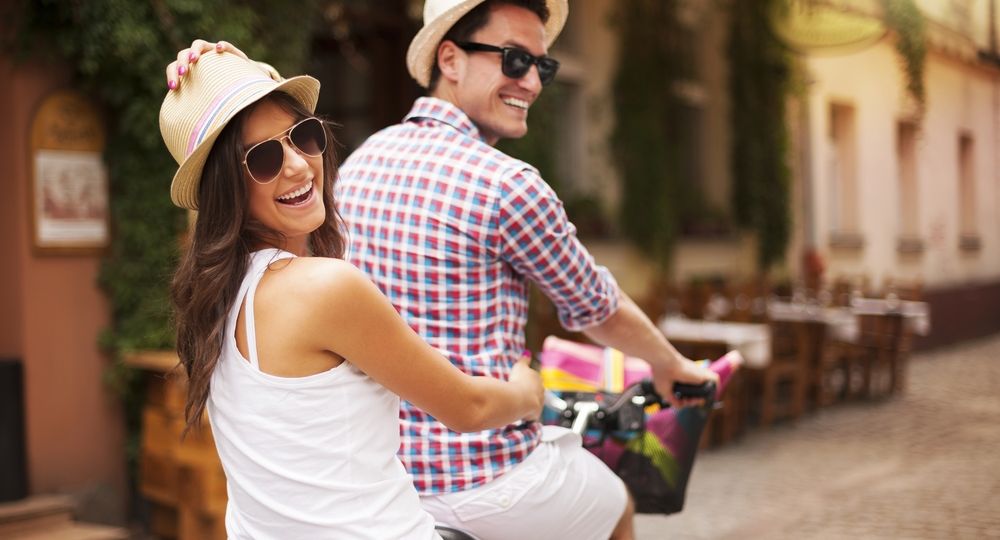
[(265, 159), (516, 62)]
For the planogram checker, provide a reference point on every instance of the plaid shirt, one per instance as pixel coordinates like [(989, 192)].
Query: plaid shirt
[(451, 229)]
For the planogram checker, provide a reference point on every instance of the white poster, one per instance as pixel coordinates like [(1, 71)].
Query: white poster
[(71, 199)]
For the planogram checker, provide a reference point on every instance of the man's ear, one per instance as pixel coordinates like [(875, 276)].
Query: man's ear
[(450, 61)]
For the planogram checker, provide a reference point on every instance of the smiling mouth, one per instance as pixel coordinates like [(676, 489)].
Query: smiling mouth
[(517, 103), (297, 197)]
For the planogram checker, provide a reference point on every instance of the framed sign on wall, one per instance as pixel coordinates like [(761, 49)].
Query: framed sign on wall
[(69, 192)]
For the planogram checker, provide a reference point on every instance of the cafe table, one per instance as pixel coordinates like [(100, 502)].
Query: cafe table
[(752, 340), (841, 322), (917, 315)]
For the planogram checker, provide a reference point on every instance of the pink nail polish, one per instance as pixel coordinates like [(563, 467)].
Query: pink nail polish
[(172, 85), (181, 70), (191, 56)]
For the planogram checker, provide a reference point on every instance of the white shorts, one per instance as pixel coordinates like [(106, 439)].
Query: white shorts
[(559, 491)]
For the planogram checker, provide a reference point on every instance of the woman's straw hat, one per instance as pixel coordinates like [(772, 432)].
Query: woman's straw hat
[(217, 88), (441, 15)]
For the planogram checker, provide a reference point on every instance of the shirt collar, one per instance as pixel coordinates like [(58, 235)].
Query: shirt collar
[(443, 111)]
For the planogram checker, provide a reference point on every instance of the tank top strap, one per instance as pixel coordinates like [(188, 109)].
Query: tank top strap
[(259, 262)]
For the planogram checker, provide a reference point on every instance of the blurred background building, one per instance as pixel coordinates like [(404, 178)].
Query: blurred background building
[(884, 160), (884, 189)]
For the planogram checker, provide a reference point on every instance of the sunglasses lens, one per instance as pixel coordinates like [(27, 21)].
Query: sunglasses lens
[(547, 69), (264, 160), (516, 63), (309, 137)]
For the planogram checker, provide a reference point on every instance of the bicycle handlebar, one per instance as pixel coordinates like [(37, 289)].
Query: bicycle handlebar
[(626, 411)]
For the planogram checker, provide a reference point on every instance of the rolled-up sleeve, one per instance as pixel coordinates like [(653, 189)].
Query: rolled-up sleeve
[(538, 241)]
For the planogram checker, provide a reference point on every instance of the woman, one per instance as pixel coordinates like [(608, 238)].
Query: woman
[(296, 356)]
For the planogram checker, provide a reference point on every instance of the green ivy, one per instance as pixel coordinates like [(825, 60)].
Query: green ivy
[(118, 50), (759, 84), (904, 18), (642, 142)]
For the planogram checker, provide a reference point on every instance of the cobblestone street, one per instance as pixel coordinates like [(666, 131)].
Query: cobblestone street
[(925, 464)]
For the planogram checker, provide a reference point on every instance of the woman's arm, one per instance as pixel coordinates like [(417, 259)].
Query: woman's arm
[(356, 321)]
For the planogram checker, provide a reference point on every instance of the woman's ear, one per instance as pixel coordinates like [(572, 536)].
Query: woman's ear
[(450, 61)]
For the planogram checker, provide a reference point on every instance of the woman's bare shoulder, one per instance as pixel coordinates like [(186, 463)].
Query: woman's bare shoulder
[(322, 282)]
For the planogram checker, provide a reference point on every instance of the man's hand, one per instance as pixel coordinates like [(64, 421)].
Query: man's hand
[(684, 371), (529, 382), (186, 57)]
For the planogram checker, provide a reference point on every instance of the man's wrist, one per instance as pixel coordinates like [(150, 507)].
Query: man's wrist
[(668, 366)]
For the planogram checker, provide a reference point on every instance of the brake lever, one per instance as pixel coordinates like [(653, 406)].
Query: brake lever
[(555, 402), (583, 412)]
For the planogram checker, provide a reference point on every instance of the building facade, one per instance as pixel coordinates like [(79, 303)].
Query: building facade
[(881, 193)]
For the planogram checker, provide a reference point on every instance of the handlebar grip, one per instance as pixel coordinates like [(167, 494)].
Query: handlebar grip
[(684, 390)]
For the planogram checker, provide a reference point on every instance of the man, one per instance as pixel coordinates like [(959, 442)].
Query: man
[(452, 230)]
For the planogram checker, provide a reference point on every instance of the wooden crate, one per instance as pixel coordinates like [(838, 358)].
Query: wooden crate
[(166, 392), (182, 479), (158, 478), (163, 521)]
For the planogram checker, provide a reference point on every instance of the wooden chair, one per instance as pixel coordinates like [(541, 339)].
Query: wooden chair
[(780, 388), (903, 289), (845, 287), (831, 376), (749, 302), (826, 363), (884, 344), (661, 298), (693, 297)]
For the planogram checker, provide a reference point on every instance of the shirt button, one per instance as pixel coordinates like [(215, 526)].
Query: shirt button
[(504, 501)]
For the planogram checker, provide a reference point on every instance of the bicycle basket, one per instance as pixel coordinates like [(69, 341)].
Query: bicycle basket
[(655, 464)]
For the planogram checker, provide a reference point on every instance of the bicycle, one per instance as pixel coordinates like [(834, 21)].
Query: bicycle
[(596, 415)]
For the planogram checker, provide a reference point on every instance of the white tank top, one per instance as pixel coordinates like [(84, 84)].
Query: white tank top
[(307, 457)]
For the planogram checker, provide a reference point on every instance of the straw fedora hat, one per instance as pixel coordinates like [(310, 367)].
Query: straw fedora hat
[(217, 88), (441, 15)]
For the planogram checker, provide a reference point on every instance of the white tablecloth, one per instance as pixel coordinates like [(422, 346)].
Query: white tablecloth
[(752, 340), (916, 314), (841, 322)]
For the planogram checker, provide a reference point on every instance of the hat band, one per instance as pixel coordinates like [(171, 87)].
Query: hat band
[(224, 102)]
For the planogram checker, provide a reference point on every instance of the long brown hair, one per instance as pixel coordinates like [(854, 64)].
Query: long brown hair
[(211, 270)]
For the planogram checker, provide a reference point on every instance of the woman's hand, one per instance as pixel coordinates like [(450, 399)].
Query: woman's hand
[(529, 382), (186, 57)]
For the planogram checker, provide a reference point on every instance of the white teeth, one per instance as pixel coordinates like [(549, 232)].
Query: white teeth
[(295, 193), (519, 103)]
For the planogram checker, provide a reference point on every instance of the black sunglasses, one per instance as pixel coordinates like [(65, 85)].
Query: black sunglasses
[(265, 159), (516, 62)]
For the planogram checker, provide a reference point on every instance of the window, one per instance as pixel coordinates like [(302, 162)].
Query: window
[(703, 208), (842, 177), (909, 213), (357, 55), (969, 234)]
